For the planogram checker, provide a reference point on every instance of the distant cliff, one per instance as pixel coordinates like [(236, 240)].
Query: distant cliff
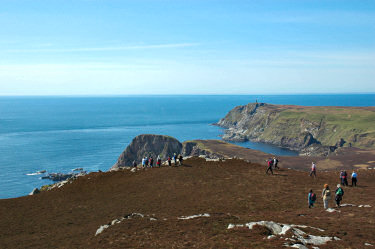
[(309, 130), (146, 145), (154, 145)]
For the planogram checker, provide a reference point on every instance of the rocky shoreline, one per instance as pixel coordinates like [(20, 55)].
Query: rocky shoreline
[(312, 131)]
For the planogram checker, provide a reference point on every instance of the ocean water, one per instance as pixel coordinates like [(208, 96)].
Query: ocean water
[(59, 134)]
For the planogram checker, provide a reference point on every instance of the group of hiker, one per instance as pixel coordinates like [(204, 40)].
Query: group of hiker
[(344, 178), (326, 193), (272, 162), (148, 162), (326, 196)]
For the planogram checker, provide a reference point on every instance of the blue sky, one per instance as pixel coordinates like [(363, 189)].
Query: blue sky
[(105, 47)]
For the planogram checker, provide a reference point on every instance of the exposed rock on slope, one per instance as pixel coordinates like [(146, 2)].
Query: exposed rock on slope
[(309, 130), (154, 145), (146, 145)]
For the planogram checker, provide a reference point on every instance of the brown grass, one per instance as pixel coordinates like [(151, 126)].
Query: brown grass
[(231, 192)]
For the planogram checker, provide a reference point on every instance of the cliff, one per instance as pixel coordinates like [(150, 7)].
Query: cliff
[(146, 145), (154, 145), (310, 130)]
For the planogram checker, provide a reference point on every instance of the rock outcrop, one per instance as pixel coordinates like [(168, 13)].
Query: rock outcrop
[(148, 145), (309, 130), (35, 191)]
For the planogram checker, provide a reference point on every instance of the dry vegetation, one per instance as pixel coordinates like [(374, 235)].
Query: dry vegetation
[(231, 192)]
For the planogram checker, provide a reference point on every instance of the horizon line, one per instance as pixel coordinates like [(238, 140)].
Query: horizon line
[(180, 94)]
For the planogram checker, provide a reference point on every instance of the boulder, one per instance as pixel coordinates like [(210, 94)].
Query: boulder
[(35, 191), (148, 145)]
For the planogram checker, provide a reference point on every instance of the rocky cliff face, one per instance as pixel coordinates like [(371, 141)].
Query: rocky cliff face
[(309, 130), (146, 145)]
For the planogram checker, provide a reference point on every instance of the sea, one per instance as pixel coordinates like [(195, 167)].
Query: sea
[(59, 134)]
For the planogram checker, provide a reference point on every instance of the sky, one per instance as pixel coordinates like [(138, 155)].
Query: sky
[(120, 47)]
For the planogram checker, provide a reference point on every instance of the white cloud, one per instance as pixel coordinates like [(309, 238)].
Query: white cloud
[(100, 49)]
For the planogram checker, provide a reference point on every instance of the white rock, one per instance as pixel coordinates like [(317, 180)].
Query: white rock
[(116, 221), (285, 229), (133, 170), (304, 226), (366, 206), (368, 244), (347, 205), (317, 240), (298, 234), (193, 216), (101, 229), (331, 210)]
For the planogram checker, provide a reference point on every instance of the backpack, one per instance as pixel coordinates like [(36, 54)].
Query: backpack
[(313, 197), (327, 194)]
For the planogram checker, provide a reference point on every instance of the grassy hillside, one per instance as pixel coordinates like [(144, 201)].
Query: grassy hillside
[(230, 192), (297, 127), (354, 125)]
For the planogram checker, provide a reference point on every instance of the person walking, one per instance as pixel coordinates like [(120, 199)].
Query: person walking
[(311, 198), (275, 162), (144, 162), (313, 169), (345, 178), (326, 195), (158, 161), (269, 164), (134, 164), (180, 159), (169, 161), (354, 179), (339, 194), (175, 159)]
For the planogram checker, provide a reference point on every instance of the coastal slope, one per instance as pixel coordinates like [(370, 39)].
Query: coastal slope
[(311, 130), (154, 145), (190, 206)]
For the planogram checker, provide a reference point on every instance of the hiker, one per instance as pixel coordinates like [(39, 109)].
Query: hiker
[(344, 178), (313, 169), (180, 159), (269, 164), (134, 164), (143, 162), (175, 159), (146, 161), (158, 161), (275, 162), (169, 161), (339, 194), (151, 162), (354, 179), (311, 198), (326, 195)]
